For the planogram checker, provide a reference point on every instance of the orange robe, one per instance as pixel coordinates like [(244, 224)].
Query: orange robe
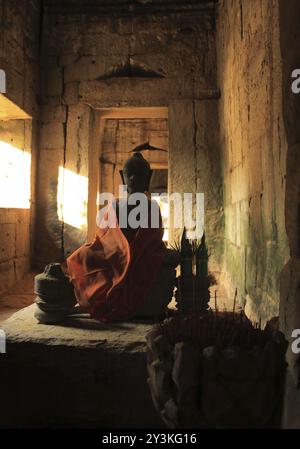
[(112, 276)]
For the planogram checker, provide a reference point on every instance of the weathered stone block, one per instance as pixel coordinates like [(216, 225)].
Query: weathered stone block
[(53, 114), (135, 92), (28, 137), (12, 132), (105, 44), (103, 385), (71, 93), (78, 139), (22, 238), (52, 136), (21, 266), (51, 165), (7, 242), (7, 216), (91, 67), (52, 81), (15, 56), (18, 55), (7, 275), (253, 145)]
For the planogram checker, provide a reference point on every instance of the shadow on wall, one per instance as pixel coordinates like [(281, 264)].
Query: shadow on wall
[(290, 278)]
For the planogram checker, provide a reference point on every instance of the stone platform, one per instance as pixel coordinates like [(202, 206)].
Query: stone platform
[(77, 374)]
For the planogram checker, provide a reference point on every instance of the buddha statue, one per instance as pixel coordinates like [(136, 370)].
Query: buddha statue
[(126, 271)]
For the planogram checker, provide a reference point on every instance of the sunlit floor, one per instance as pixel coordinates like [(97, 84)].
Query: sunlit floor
[(20, 295)]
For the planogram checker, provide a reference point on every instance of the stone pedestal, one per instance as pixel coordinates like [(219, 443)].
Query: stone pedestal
[(77, 374)]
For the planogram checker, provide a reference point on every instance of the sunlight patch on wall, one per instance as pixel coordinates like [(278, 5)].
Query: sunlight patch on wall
[(14, 177), (72, 195)]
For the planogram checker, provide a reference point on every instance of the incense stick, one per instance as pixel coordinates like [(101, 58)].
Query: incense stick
[(234, 300)]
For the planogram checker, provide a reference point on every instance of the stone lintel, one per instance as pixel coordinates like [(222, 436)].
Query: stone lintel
[(143, 92)]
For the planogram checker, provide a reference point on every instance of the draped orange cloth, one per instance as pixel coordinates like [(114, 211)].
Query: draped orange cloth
[(112, 276)]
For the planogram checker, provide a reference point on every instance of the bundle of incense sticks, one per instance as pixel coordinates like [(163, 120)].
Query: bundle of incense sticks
[(221, 329)]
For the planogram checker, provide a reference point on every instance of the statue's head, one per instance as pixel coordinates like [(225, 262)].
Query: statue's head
[(136, 174)]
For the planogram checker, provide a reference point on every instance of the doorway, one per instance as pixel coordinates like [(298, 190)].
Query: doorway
[(123, 129)]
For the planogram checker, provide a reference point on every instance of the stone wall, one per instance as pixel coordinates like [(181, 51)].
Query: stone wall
[(290, 278), (254, 149), (92, 61), (19, 47)]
